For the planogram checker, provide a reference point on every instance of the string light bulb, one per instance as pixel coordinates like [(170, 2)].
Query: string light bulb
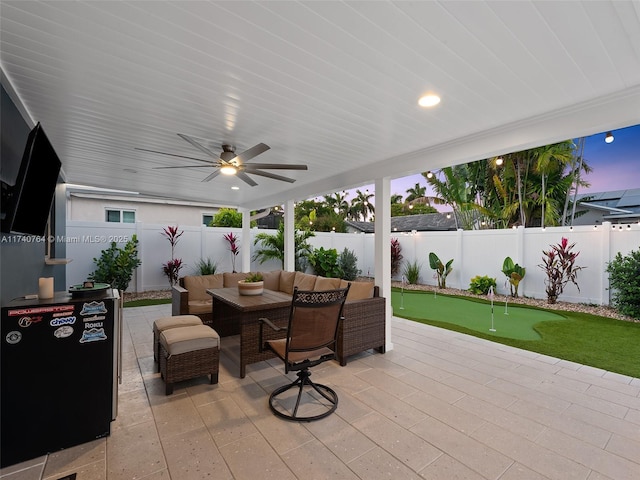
[(608, 138)]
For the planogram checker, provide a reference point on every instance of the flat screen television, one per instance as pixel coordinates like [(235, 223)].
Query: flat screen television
[(28, 201)]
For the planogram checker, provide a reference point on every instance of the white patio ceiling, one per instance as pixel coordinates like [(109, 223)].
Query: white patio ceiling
[(333, 85)]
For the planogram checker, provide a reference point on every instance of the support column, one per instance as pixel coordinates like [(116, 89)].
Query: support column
[(246, 240), (382, 248), (289, 237)]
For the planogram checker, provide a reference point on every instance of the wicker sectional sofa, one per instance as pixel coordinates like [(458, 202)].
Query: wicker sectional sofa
[(363, 327)]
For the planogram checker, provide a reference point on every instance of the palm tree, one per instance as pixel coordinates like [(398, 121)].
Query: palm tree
[(550, 159), (416, 191), (361, 206), (456, 191), (338, 203), (396, 198), (273, 246)]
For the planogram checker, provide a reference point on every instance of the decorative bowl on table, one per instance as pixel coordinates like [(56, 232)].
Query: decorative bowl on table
[(252, 285)]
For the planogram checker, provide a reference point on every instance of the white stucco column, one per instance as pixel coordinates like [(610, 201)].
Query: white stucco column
[(382, 249), (289, 237), (246, 240)]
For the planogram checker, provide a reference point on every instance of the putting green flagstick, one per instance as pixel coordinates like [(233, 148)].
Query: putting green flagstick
[(435, 276), (491, 297), (506, 300), (402, 294)]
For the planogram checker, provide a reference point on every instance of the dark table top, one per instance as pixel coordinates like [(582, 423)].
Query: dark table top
[(247, 303)]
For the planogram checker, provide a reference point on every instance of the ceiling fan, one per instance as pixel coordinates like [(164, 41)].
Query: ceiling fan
[(230, 163)]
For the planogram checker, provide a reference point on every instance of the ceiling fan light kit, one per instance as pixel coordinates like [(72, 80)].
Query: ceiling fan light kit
[(228, 163)]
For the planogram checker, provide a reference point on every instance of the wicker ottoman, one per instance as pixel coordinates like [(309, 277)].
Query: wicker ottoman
[(188, 352), (162, 324)]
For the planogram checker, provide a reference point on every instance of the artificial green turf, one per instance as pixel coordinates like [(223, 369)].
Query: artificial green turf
[(601, 342), (147, 302), (518, 324)]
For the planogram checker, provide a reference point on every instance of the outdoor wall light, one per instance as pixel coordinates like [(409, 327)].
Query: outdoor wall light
[(608, 138)]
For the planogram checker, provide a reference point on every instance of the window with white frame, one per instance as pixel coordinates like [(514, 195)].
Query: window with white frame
[(120, 216), (207, 218)]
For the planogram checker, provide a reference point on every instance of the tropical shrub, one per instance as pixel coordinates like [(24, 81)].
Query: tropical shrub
[(515, 273), (396, 256), (325, 262), (624, 281), (559, 265), (273, 246), (348, 263), (206, 267), (227, 217), (442, 270), (411, 272), (481, 285), (116, 265)]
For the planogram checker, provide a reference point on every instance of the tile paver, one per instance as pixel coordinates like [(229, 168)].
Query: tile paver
[(440, 405)]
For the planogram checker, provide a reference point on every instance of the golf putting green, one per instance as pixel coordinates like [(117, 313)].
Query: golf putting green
[(472, 314)]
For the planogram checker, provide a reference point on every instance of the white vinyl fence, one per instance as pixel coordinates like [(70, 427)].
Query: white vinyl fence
[(473, 253)]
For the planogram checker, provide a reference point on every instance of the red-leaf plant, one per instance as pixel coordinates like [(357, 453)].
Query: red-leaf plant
[(234, 248), (396, 256), (172, 268), (559, 265)]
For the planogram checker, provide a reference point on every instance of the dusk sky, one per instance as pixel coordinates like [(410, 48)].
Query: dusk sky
[(616, 165)]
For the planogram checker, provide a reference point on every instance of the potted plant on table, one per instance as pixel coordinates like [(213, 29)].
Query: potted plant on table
[(252, 285)]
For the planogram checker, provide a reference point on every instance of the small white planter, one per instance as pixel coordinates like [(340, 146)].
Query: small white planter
[(250, 288)]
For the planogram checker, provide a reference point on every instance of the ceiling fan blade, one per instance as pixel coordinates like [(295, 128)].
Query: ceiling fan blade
[(275, 166), (269, 175), (212, 176), (252, 152), (184, 166), (174, 155), (198, 146), (246, 178)]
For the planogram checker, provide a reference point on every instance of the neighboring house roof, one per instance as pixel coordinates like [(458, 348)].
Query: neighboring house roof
[(408, 223), (618, 204)]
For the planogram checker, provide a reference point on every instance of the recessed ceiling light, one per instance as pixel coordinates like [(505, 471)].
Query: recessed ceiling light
[(430, 100), (235, 188)]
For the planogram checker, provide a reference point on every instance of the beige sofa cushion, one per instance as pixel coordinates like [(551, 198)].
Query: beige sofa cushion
[(231, 279), (176, 321), (200, 306), (304, 281), (271, 280), (323, 283), (188, 339), (197, 285), (358, 290), (286, 281)]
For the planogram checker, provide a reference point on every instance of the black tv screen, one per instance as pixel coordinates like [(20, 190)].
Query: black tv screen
[(31, 196)]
